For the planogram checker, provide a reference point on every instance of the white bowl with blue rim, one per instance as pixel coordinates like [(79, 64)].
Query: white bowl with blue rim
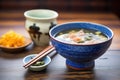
[(46, 60)]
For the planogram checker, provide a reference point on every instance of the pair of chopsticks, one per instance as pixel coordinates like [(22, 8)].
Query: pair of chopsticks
[(40, 55)]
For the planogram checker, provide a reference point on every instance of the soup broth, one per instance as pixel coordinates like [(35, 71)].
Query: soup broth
[(81, 36)]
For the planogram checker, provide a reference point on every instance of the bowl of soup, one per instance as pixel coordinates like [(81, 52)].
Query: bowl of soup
[(81, 43)]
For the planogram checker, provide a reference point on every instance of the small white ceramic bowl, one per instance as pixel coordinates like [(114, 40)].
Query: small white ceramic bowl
[(46, 59)]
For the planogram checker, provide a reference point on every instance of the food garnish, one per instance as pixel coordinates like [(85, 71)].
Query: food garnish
[(39, 63), (12, 39)]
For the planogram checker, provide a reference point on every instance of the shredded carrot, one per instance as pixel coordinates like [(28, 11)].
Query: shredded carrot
[(12, 39)]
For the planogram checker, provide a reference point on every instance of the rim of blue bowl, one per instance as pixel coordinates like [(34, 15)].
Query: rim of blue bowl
[(52, 37), (40, 65)]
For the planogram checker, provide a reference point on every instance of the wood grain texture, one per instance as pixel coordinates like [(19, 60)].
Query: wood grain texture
[(17, 19), (62, 5), (107, 67)]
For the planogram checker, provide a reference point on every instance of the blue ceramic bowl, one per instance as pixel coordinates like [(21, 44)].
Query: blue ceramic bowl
[(46, 59), (80, 57)]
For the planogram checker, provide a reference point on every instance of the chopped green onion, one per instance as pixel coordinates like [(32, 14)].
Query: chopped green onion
[(39, 63), (98, 33), (81, 41), (88, 38)]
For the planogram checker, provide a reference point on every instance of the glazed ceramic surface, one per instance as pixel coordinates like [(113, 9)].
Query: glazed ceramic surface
[(78, 56), (46, 59), (38, 23)]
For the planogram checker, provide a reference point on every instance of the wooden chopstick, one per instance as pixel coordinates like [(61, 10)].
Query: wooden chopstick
[(39, 56)]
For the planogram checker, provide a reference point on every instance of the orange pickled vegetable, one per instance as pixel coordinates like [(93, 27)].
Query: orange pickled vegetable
[(76, 39), (12, 39)]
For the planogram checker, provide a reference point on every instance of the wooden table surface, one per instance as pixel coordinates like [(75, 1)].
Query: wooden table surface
[(107, 67)]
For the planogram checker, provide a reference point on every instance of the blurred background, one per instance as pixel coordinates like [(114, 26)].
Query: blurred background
[(62, 5)]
